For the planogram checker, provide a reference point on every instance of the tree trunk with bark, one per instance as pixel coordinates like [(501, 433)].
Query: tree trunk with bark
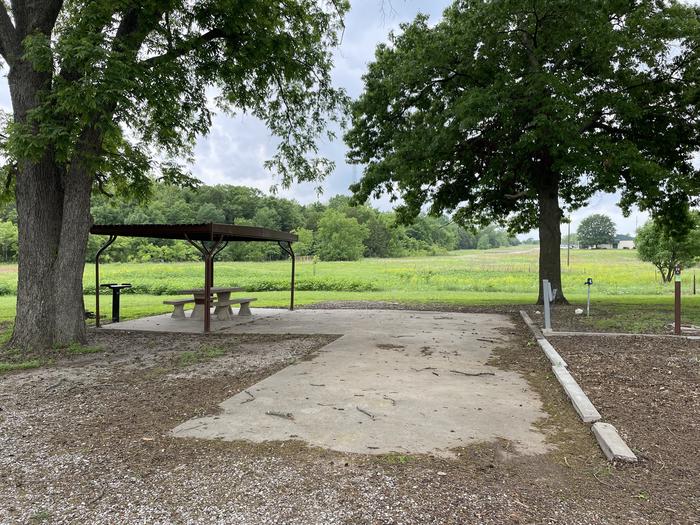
[(550, 237), (53, 210)]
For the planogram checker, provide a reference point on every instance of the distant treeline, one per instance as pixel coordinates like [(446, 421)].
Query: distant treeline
[(332, 231)]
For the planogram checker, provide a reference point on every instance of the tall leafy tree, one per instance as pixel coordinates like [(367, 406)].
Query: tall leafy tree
[(656, 245), (106, 93), (517, 111), (339, 237), (596, 229)]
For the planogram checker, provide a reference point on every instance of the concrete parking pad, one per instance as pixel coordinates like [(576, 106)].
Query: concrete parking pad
[(394, 381)]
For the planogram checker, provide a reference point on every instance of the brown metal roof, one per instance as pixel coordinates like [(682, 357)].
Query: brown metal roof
[(195, 232)]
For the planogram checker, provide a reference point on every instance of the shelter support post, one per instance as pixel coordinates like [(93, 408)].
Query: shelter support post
[(208, 253), (215, 252), (106, 245), (289, 251)]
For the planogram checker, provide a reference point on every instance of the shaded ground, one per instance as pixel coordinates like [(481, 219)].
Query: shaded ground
[(84, 441)]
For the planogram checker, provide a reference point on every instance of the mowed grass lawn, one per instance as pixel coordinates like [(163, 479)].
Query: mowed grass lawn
[(472, 277)]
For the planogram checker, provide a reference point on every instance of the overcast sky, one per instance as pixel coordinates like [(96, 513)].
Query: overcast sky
[(234, 151)]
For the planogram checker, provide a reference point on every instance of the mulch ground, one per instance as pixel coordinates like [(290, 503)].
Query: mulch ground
[(649, 388), (85, 440)]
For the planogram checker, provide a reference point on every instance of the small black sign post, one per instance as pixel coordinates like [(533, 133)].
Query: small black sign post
[(588, 283), (677, 324)]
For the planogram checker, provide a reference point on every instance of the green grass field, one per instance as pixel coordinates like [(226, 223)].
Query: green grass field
[(473, 277)]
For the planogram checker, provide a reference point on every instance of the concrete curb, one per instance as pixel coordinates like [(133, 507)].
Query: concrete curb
[(610, 442), (551, 353), (579, 399), (531, 325), (614, 448), (549, 350)]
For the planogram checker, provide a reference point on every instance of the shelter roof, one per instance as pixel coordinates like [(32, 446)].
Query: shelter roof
[(195, 232)]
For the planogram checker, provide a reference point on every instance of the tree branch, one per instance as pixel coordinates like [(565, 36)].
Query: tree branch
[(46, 18), (515, 196), (9, 44), (184, 47)]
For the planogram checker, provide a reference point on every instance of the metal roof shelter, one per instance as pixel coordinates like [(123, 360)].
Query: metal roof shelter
[(209, 239)]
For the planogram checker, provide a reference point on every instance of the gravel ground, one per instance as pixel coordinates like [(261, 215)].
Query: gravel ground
[(85, 441)]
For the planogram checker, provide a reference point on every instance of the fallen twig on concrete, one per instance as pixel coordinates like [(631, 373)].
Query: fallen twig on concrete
[(252, 397), (393, 401), (473, 373), (371, 416), (283, 415)]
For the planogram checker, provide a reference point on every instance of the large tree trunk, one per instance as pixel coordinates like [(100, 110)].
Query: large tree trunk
[(550, 238), (53, 224), (39, 200), (70, 261)]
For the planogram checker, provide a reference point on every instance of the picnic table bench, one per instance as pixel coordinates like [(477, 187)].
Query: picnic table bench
[(222, 308), (179, 307)]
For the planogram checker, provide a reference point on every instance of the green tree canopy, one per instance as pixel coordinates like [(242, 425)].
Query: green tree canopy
[(386, 238), (508, 111), (208, 212), (305, 245), (656, 245), (340, 238), (596, 229)]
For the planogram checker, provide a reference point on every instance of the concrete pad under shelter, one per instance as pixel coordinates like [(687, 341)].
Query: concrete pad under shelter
[(394, 381)]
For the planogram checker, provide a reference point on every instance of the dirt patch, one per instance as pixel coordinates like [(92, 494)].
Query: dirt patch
[(85, 441)]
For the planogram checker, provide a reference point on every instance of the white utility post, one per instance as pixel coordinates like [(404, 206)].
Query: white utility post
[(549, 296)]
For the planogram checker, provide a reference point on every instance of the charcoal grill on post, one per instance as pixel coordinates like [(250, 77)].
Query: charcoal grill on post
[(116, 293)]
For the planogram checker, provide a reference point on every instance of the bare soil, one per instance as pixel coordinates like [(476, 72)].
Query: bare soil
[(86, 441)]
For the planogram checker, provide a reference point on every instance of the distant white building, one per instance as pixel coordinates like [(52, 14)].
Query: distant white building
[(625, 245)]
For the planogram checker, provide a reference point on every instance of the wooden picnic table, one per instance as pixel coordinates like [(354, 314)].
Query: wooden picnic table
[(223, 294)]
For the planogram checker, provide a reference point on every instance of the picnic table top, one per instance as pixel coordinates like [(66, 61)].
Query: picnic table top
[(214, 289)]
